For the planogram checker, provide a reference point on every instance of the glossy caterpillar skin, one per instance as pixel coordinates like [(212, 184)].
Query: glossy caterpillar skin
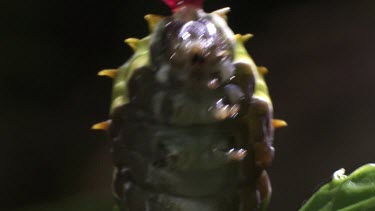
[(191, 119)]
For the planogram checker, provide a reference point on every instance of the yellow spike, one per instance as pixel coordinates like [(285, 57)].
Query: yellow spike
[(153, 20), (278, 123), (237, 36), (222, 12), (133, 43), (246, 37), (243, 38), (263, 70), (112, 73), (102, 125)]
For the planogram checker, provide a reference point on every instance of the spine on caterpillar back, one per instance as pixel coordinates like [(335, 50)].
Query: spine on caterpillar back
[(191, 118)]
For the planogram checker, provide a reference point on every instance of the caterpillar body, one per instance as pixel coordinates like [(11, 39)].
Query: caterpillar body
[(191, 118)]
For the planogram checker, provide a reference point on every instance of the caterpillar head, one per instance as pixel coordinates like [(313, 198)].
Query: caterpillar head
[(190, 47)]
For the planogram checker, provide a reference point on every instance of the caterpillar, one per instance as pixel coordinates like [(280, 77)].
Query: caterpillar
[(191, 120)]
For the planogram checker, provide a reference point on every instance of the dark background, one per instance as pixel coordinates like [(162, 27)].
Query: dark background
[(322, 80)]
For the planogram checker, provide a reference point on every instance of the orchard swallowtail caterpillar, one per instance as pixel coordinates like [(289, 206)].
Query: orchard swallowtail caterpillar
[(191, 121)]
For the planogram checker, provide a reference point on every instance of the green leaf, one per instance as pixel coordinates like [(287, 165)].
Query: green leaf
[(346, 193)]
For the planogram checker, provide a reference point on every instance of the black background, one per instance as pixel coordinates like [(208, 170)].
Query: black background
[(322, 80)]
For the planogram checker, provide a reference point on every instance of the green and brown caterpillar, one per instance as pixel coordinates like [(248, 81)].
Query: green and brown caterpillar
[(191, 120)]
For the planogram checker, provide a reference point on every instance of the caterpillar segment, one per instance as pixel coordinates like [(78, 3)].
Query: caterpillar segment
[(140, 58), (259, 116), (191, 116)]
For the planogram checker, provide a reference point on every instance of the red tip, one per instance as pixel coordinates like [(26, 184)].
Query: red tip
[(175, 4)]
